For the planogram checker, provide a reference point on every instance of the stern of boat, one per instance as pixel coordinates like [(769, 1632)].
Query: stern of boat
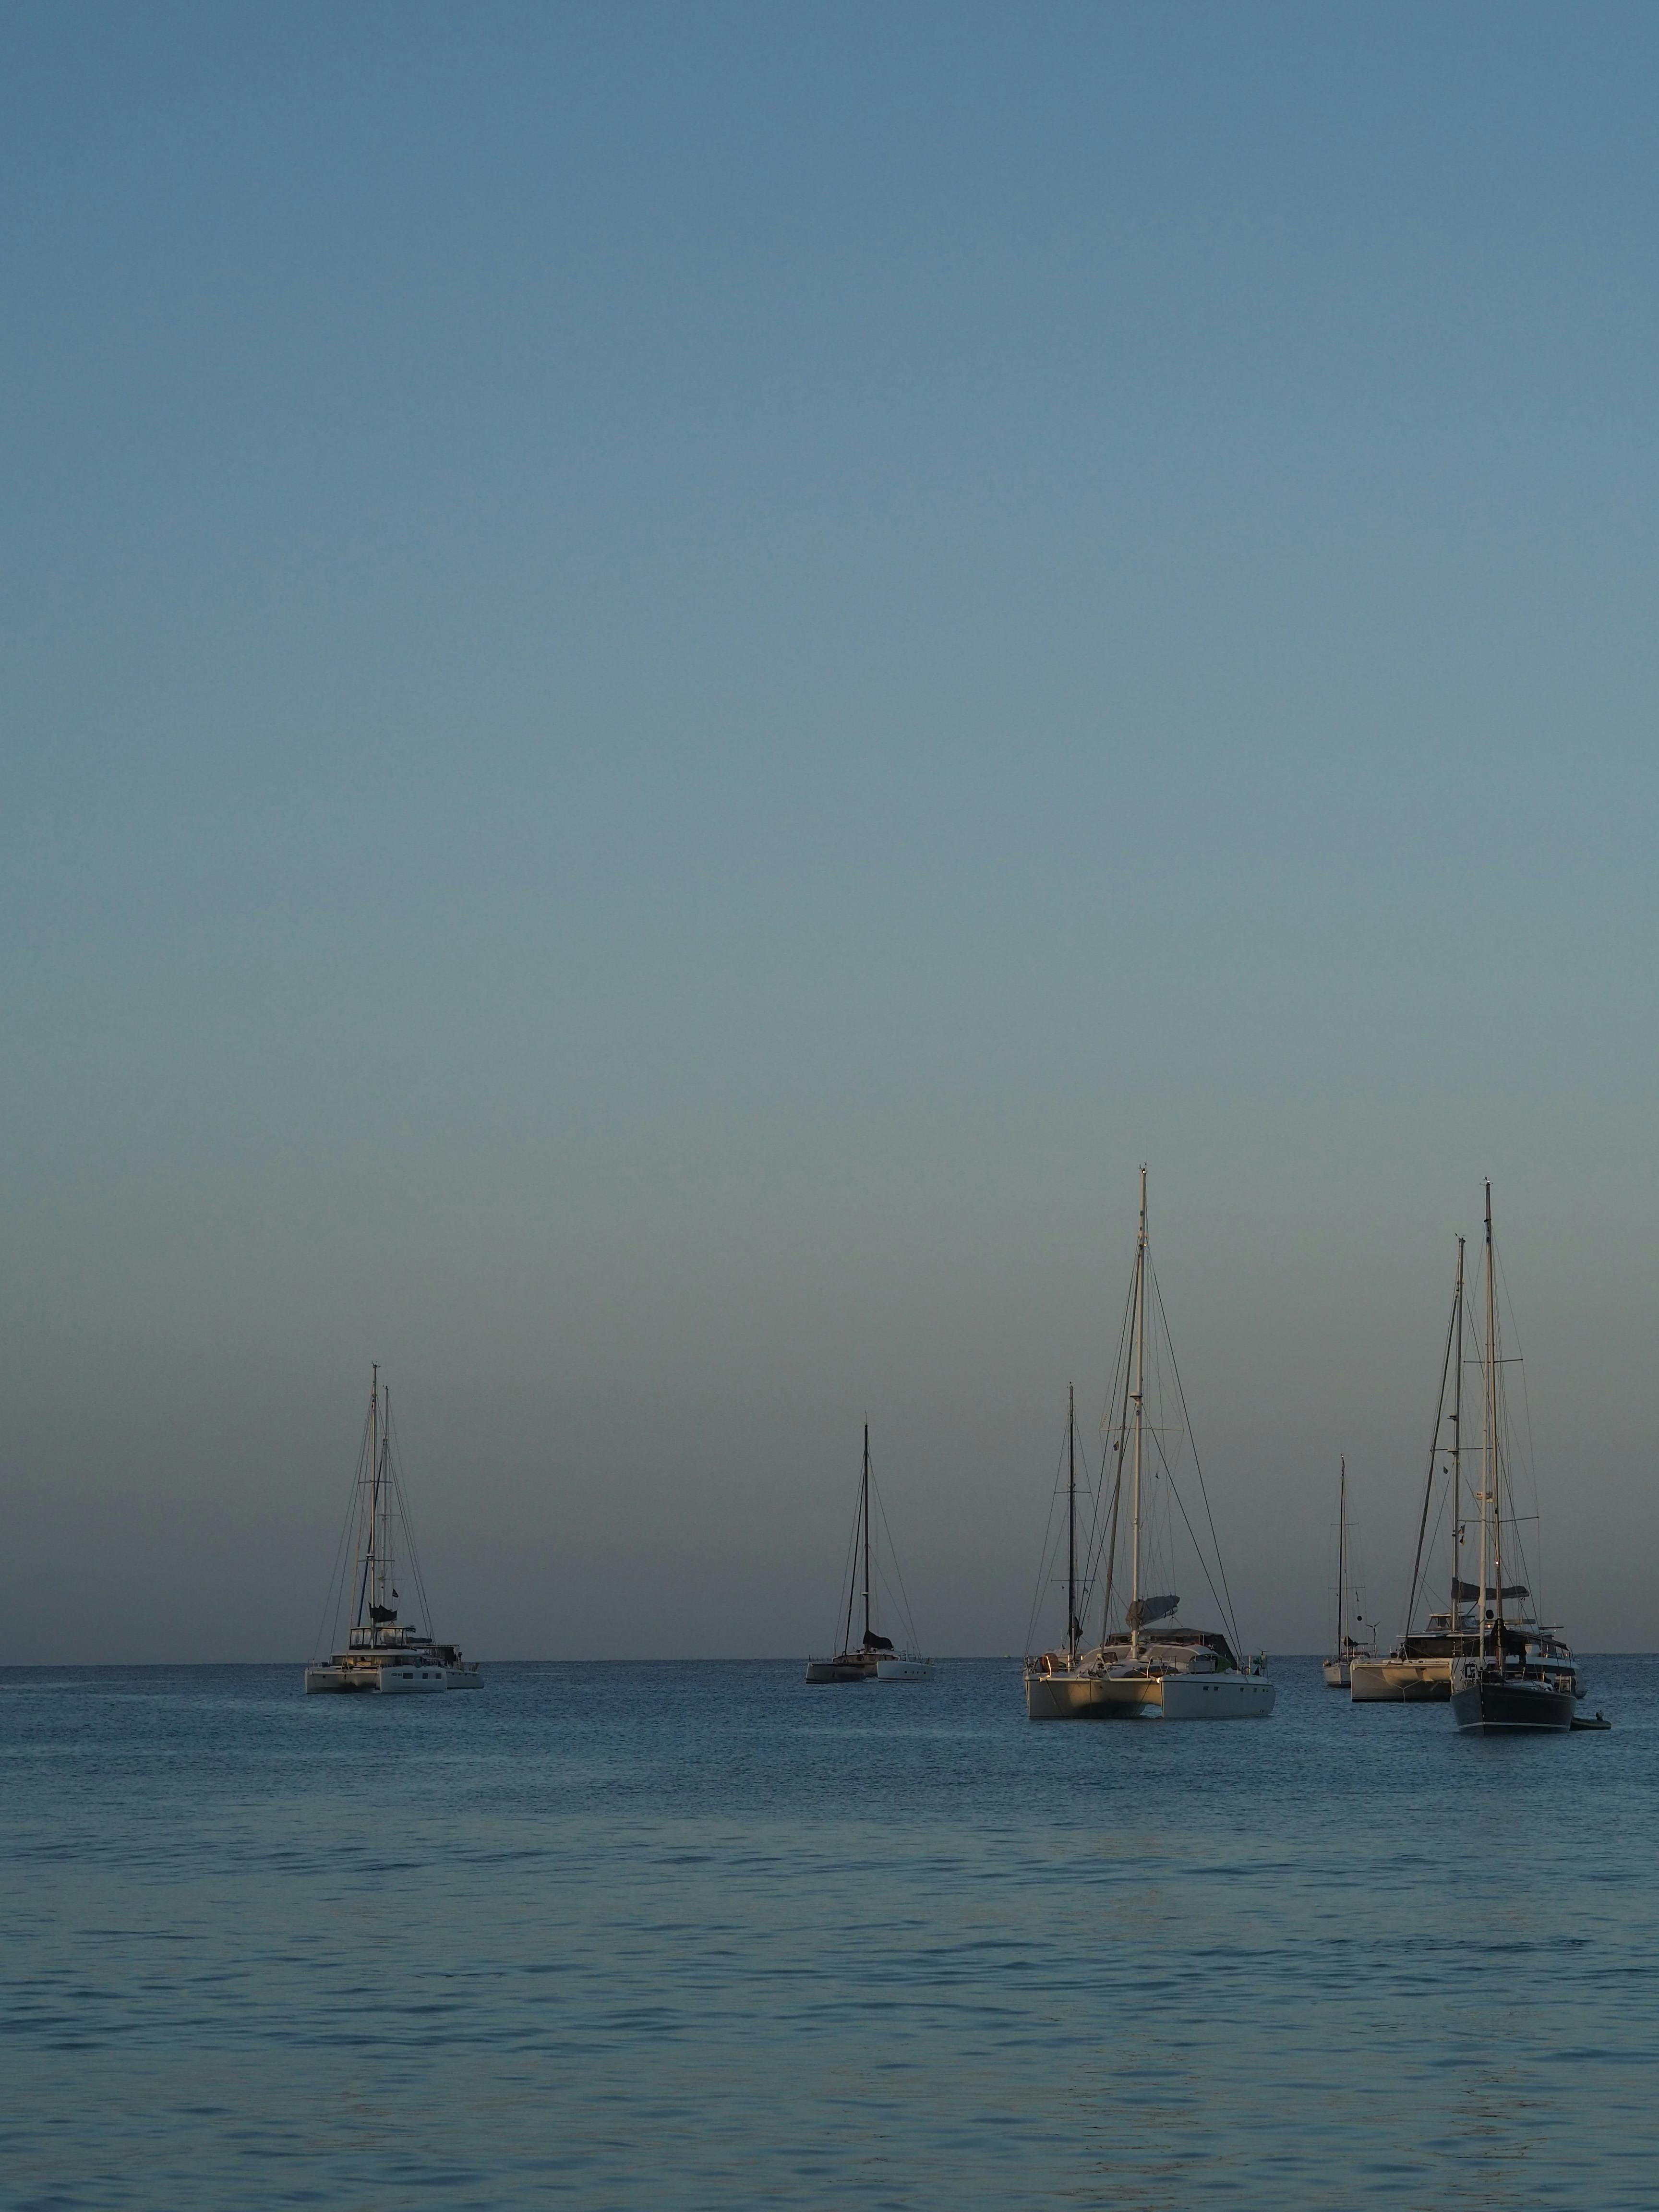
[(1217, 1697), (1400, 1681), (342, 1680), (1484, 1703)]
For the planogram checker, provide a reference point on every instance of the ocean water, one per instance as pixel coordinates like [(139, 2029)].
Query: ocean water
[(701, 1936)]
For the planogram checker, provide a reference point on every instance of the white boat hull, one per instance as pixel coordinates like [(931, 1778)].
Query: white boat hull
[(469, 1675), (400, 1680), (1173, 1696), (1400, 1681), (846, 1668), (1336, 1674), (1218, 1697), (1092, 1697), (901, 1669)]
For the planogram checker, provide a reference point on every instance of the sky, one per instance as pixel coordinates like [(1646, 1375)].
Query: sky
[(672, 680)]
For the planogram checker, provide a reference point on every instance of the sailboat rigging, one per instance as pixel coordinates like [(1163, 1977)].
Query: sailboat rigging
[(875, 1657), (1178, 1673), (1349, 1647), (1522, 1675), (382, 1653), (1418, 1669)]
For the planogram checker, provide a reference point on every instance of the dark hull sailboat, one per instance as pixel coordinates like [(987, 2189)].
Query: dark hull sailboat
[(1521, 1678), (1486, 1703)]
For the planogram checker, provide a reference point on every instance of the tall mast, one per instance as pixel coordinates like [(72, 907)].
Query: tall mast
[(1457, 1439), (866, 1510), (378, 1593), (1139, 1396), (853, 1574), (1070, 1526), (366, 1587), (1341, 1551), (1493, 1476), (384, 1532), (388, 1562)]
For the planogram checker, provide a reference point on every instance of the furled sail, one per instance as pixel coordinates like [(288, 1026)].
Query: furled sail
[(379, 1612), (874, 1643), (1144, 1610), (1469, 1593)]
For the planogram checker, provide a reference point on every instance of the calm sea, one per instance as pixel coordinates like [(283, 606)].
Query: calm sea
[(698, 1936)]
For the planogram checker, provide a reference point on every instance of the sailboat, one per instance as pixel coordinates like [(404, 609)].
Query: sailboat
[(1063, 1661), (1151, 1667), (1418, 1669), (875, 1657), (382, 1653), (1522, 1676), (1348, 1646)]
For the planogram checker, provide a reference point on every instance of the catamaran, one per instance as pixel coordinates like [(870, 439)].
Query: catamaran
[(382, 1653), (1349, 1647), (1149, 1666), (875, 1657), (1521, 1675)]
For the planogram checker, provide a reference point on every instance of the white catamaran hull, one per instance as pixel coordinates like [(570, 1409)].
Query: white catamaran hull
[(1400, 1681), (412, 1681), (343, 1680), (1223, 1696), (1217, 1698), (901, 1669), (1092, 1697), (399, 1680)]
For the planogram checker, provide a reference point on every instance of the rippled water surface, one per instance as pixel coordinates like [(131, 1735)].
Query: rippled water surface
[(643, 1935)]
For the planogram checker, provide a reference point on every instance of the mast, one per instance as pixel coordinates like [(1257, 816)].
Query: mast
[(388, 1563), (1140, 1398), (377, 1596), (852, 1577), (1457, 1439), (1454, 1342), (1492, 1474), (1341, 1553), (1070, 1526), (865, 1509), (365, 1580)]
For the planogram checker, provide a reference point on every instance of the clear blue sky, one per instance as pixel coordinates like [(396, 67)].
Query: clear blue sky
[(672, 679)]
